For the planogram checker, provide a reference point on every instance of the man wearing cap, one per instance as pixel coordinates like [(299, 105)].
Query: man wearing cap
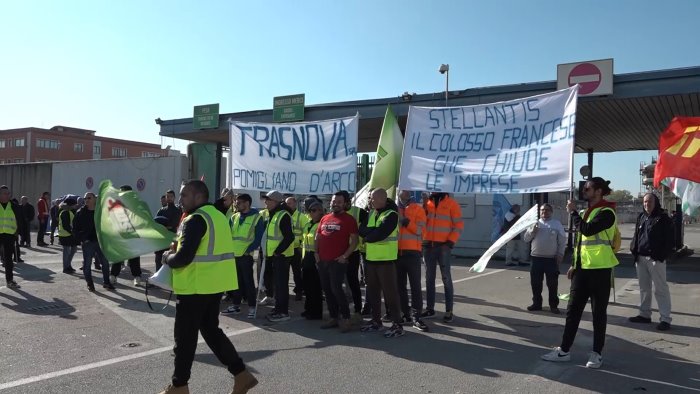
[(65, 233), (313, 304), (299, 221), (10, 221), (279, 251), (225, 203), (247, 230)]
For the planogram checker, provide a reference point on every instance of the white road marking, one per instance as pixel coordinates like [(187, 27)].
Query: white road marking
[(111, 361), (650, 380)]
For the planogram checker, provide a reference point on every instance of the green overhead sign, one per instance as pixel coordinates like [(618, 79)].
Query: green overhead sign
[(288, 108), (205, 116)]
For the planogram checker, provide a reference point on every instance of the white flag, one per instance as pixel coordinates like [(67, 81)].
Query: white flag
[(523, 223)]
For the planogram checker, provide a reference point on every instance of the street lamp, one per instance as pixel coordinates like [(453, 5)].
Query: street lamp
[(445, 69)]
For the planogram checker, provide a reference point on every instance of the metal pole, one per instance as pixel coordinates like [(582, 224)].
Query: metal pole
[(447, 85)]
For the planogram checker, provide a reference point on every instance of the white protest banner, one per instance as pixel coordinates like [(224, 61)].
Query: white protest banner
[(303, 158), (519, 146), (523, 223)]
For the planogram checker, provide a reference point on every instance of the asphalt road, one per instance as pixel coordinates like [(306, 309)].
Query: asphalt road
[(56, 337)]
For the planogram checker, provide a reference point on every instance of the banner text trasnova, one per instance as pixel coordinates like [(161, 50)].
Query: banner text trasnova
[(302, 158), (519, 146)]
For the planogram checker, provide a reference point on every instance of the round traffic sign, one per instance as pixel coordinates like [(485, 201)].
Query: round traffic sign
[(89, 183), (587, 75), (140, 184)]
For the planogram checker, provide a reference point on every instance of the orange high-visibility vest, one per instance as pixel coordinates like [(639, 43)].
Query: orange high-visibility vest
[(444, 222), (411, 236)]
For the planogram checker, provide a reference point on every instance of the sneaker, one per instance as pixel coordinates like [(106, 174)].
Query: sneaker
[(419, 325), (176, 390), (331, 323), (555, 310), (278, 317), (91, 288), (449, 317), (534, 307), (13, 285), (594, 361), (386, 318), (137, 281), (345, 325), (232, 310), (68, 271), (664, 326), (394, 331), (428, 314), (108, 286), (639, 319), (113, 279), (243, 382), (267, 301), (556, 355), (371, 326)]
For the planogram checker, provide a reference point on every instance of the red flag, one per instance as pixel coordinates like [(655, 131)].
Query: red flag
[(679, 151)]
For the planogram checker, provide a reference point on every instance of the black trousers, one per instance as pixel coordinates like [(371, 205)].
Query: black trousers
[(42, 231), (408, 268), (313, 304), (54, 226), (246, 281), (281, 279), (195, 314), (333, 275), (296, 271), (541, 268), (585, 284), (354, 281), (7, 247), (134, 266), (25, 235)]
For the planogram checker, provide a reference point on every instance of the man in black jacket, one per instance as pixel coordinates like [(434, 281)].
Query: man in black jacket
[(11, 220), (85, 233), (651, 245), (28, 213)]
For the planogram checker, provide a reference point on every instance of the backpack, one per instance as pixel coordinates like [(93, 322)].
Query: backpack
[(617, 240)]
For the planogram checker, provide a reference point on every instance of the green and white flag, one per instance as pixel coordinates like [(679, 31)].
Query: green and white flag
[(388, 162), (125, 226)]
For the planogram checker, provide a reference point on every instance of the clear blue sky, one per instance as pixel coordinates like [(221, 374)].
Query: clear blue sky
[(115, 66)]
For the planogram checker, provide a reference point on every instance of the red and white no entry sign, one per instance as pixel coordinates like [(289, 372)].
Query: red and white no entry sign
[(587, 75), (594, 77)]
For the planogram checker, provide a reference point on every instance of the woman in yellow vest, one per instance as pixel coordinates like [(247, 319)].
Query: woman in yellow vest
[(11, 220), (591, 270)]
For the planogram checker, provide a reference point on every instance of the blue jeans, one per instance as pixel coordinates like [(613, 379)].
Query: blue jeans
[(434, 256), (92, 249), (68, 253)]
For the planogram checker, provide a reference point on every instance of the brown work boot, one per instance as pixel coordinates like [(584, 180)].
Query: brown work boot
[(345, 325), (243, 382), (176, 390), (332, 323)]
